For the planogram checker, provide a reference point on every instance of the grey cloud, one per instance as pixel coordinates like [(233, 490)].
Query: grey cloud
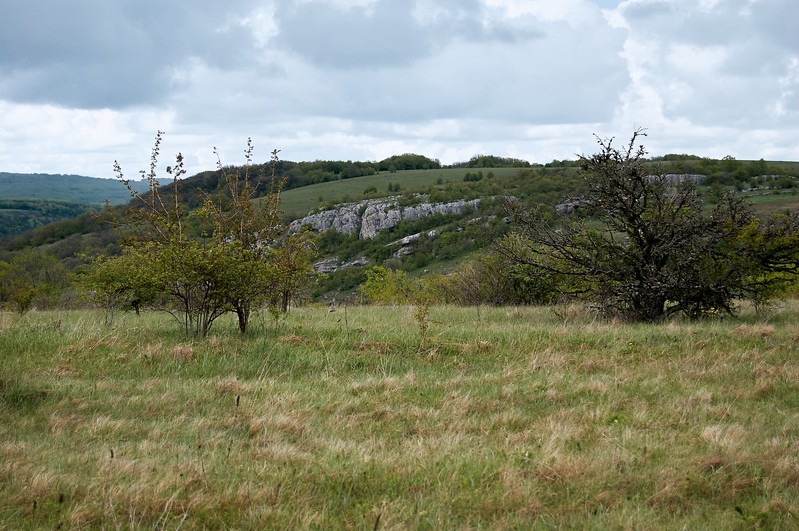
[(511, 71), (96, 53), (86, 86), (386, 34), (538, 81), (775, 21), (770, 22), (638, 11)]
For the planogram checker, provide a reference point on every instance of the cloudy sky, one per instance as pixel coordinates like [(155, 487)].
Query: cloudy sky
[(87, 82)]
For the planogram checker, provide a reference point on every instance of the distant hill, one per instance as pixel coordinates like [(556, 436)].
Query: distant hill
[(70, 188), (31, 200)]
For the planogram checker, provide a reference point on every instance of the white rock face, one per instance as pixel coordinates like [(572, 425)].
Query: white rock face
[(367, 218), (345, 219), (377, 217)]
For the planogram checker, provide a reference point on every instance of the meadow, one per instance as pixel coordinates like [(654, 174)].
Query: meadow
[(501, 418), (298, 202)]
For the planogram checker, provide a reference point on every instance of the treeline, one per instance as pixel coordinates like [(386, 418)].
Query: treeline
[(307, 173), (492, 161), (729, 171)]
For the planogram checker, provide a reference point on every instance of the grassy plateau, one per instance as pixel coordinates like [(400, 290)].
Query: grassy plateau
[(299, 202), (500, 418)]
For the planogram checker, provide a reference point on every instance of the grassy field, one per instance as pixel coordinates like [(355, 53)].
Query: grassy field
[(299, 201), (765, 204), (503, 418)]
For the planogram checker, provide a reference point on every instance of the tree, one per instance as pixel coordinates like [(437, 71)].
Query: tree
[(32, 278), (193, 272), (249, 232), (4, 287), (642, 246), (490, 278), (120, 283), (291, 269), (388, 286)]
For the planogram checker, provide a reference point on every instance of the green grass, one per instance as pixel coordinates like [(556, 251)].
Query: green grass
[(506, 418), (766, 203), (300, 201)]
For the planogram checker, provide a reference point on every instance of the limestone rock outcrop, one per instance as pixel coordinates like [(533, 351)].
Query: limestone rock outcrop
[(368, 218)]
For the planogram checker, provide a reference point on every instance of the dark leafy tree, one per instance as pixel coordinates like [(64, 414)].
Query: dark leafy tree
[(492, 161), (408, 161), (643, 247)]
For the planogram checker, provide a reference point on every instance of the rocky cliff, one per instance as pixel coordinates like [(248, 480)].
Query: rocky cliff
[(367, 218)]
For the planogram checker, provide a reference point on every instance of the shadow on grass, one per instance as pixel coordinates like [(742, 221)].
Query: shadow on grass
[(19, 396)]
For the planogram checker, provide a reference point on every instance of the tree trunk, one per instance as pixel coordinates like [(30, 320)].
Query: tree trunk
[(243, 314), (651, 309), (284, 303)]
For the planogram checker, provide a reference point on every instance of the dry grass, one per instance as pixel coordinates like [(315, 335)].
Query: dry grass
[(533, 418)]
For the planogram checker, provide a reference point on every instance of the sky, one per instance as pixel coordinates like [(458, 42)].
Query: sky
[(84, 83)]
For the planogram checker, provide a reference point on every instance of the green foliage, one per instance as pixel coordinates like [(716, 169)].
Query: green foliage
[(70, 189), (492, 161), (408, 161), (55, 232), (72, 241), (769, 254), (196, 281), (650, 250), (4, 286), (32, 278), (299, 201), (236, 267), (495, 278), (344, 281), (17, 216), (388, 286), (290, 272), (119, 282)]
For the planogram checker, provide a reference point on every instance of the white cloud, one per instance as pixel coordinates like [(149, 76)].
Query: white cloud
[(58, 140)]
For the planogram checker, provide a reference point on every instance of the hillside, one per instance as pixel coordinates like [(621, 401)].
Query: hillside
[(20, 215), (29, 201), (415, 245), (298, 202), (69, 188)]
